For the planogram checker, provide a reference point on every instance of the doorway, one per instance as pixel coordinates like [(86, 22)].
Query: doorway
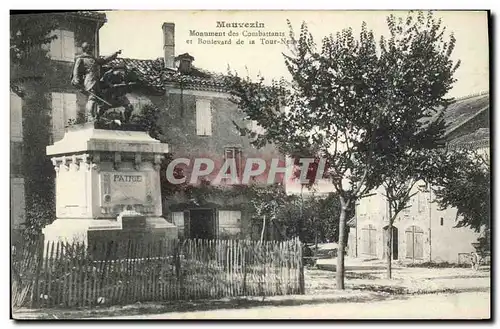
[(202, 224), (395, 242)]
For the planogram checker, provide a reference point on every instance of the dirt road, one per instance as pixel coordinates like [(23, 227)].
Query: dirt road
[(469, 305)]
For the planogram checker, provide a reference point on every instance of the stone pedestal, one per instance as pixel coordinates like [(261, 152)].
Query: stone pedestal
[(103, 176)]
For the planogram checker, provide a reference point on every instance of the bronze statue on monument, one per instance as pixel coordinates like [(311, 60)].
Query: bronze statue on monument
[(105, 92)]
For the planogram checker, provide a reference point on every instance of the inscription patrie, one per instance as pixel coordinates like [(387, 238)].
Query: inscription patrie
[(127, 178)]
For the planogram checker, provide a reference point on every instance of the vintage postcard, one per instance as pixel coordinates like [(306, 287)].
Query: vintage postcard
[(250, 165)]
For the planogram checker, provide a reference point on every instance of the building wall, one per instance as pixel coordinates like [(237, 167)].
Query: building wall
[(439, 242), (179, 125), (17, 194)]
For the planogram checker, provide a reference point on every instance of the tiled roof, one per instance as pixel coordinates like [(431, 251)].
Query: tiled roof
[(153, 74), (197, 79), (462, 110), (98, 16), (93, 15), (351, 222), (480, 137), (148, 72)]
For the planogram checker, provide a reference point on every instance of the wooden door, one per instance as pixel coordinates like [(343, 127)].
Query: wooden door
[(414, 243), (369, 240)]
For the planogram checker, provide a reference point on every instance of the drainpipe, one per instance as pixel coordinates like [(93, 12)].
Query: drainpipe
[(430, 223), (96, 46), (356, 229)]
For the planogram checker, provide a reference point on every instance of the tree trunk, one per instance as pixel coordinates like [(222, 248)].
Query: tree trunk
[(389, 251), (315, 238), (301, 219), (389, 245), (341, 245)]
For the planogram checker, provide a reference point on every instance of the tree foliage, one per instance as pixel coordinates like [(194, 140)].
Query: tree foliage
[(464, 183), (28, 56)]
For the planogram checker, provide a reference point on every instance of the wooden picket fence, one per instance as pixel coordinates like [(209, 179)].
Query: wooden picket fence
[(123, 272)]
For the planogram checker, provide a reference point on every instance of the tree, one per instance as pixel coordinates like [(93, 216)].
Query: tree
[(267, 202), (417, 73), (30, 68)]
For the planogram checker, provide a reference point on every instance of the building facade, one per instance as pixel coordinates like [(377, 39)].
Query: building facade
[(198, 120), (422, 232)]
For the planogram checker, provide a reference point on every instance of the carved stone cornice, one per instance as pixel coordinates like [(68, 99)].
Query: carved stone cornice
[(117, 160), (137, 161), (76, 162), (157, 161)]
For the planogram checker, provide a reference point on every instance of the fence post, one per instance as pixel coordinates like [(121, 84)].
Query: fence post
[(244, 266), (39, 263), (178, 271), (301, 269)]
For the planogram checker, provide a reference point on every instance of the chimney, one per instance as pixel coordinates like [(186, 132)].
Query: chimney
[(185, 63), (169, 44)]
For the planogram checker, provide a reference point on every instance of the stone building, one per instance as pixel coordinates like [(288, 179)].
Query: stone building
[(422, 232), (51, 94)]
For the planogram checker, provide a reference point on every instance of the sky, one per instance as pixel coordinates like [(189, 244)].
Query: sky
[(139, 35)]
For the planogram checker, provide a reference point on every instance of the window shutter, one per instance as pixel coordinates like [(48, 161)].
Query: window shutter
[(57, 116), (178, 220), (373, 241), (208, 118), (199, 119), (56, 45), (68, 45), (203, 117), (365, 239), (238, 162), (16, 118), (409, 244), (419, 245), (70, 108), (187, 224)]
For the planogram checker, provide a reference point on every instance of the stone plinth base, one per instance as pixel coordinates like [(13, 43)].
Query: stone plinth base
[(71, 230), (99, 234)]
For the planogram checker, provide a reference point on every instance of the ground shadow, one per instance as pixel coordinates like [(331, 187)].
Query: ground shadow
[(200, 305)]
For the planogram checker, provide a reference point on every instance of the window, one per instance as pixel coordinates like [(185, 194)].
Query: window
[(203, 117), (64, 109), (16, 118), (63, 47), (234, 153), (229, 223), (406, 211)]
